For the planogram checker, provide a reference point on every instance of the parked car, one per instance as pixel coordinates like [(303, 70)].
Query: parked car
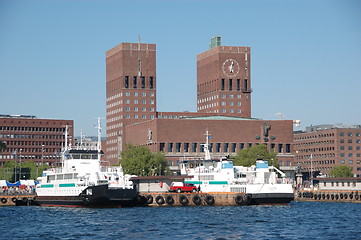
[(182, 187)]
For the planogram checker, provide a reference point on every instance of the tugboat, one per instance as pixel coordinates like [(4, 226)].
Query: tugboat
[(260, 184), (83, 182)]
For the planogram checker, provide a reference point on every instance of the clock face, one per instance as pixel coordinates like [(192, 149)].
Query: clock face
[(230, 67)]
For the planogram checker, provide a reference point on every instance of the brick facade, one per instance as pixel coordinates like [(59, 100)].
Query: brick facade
[(31, 138)]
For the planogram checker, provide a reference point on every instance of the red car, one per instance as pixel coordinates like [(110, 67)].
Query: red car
[(182, 187)]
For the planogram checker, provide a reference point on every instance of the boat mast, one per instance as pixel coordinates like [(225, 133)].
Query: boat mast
[(99, 138), (206, 147)]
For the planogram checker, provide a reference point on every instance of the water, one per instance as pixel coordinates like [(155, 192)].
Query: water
[(299, 220)]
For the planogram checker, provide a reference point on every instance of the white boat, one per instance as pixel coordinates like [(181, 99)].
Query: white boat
[(83, 182), (259, 184)]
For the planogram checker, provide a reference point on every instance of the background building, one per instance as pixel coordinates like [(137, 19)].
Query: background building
[(130, 91), (30, 138), (321, 147), (223, 106)]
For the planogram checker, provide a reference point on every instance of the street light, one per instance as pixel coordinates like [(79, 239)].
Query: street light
[(42, 154)]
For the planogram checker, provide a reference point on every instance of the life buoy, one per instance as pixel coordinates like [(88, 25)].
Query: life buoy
[(161, 184), (350, 196), (25, 200), (336, 196), (341, 196), (149, 199), (4, 200), (183, 200), (210, 200), (323, 196), (332, 196), (159, 200), (239, 199), (197, 200), (345, 195), (14, 199), (328, 196), (169, 200)]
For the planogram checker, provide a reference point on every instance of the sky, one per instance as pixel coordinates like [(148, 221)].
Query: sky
[(305, 55)]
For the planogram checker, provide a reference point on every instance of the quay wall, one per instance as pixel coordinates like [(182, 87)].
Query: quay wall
[(163, 199), (328, 196), (16, 200)]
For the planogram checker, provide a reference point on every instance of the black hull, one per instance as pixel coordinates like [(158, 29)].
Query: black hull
[(271, 198), (94, 196)]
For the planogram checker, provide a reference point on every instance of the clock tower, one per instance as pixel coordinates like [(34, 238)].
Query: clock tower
[(224, 80)]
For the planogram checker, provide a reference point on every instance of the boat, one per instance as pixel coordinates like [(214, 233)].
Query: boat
[(82, 181), (259, 184)]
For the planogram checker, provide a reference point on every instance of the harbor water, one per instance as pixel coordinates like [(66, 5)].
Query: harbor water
[(298, 220)]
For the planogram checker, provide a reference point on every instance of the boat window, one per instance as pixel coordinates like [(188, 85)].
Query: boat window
[(84, 156), (75, 156), (94, 156)]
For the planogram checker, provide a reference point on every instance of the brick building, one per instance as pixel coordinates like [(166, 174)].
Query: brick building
[(223, 106), (30, 138), (321, 147)]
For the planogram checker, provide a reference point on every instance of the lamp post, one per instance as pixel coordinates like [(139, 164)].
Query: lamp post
[(20, 163), (42, 154)]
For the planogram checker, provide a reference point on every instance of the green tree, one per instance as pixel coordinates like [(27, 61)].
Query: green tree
[(2, 146), (138, 160), (248, 156), (341, 171)]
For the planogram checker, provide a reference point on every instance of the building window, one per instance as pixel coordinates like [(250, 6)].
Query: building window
[(230, 84), (225, 147), (234, 146), (134, 82), (170, 147), (126, 82), (280, 147), (223, 96), (238, 84), (151, 82), (218, 147), (342, 161), (222, 86), (143, 82), (350, 161), (288, 148), (210, 147), (194, 147), (241, 146), (161, 147), (186, 147), (177, 147)]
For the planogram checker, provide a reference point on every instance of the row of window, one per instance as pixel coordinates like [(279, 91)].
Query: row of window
[(136, 82), (343, 184), (118, 95), (350, 148), (238, 84), (32, 143), (28, 157), (31, 129), (218, 147), (136, 109), (127, 116), (31, 136)]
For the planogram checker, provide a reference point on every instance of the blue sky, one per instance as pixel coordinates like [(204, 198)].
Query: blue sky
[(305, 55)]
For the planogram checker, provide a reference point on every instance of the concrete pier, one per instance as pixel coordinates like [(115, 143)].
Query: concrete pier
[(16, 200), (328, 196), (194, 199)]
